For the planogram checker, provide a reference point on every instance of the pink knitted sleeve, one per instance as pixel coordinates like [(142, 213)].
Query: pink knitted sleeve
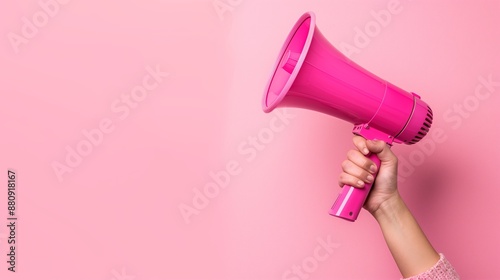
[(442, 270)]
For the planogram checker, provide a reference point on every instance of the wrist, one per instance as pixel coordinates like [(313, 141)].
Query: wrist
[(405, 239), (389, 208)]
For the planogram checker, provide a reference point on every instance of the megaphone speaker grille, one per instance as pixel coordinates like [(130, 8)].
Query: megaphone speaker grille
[(311, 74)]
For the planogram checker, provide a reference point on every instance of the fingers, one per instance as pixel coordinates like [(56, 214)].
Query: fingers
[(361, 161), (348, 179), (383, 152), (357, 170), (378, 147), (360, 143)]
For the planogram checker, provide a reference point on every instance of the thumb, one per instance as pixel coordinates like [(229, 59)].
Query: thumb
[(383, 152)]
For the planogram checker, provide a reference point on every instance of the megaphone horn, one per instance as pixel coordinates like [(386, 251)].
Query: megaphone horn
[(310, 73)]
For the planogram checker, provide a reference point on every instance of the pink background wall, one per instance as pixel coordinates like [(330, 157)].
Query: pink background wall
[(75, 68)]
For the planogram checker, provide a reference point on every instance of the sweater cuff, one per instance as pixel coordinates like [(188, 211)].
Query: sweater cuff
[(442, 270)]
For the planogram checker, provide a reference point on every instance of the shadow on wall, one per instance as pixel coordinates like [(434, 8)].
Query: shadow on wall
[(429, 188)]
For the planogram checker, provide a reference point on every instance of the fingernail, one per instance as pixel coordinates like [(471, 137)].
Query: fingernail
[(369, 178), (365, 151), (373, 168), (361, 183)]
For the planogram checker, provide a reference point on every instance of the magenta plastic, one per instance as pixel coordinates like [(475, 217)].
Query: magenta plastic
[(310, 73)]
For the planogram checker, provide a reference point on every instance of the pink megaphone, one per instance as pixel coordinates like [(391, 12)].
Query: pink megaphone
[(310, 73)]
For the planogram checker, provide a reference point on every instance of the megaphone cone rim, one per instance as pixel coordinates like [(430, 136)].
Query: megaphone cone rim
[(269, 107)]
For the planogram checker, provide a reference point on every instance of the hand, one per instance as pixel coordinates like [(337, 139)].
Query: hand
[(358, 170), (410, 248)]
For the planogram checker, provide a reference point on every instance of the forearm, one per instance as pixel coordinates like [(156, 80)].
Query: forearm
[(409, 246)]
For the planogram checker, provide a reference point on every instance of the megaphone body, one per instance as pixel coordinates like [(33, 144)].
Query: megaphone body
[(310, 73)]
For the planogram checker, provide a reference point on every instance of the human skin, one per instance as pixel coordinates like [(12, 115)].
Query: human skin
[(410, 248)]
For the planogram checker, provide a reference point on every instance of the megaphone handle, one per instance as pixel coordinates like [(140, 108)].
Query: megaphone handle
[(351, 199)]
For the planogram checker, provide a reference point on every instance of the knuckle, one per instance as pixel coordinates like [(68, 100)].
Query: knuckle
[(350, 154), (345, 165), (342, 179)]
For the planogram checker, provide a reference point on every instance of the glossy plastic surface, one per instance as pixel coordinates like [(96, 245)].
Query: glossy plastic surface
[(351, 199), (310, 73)]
